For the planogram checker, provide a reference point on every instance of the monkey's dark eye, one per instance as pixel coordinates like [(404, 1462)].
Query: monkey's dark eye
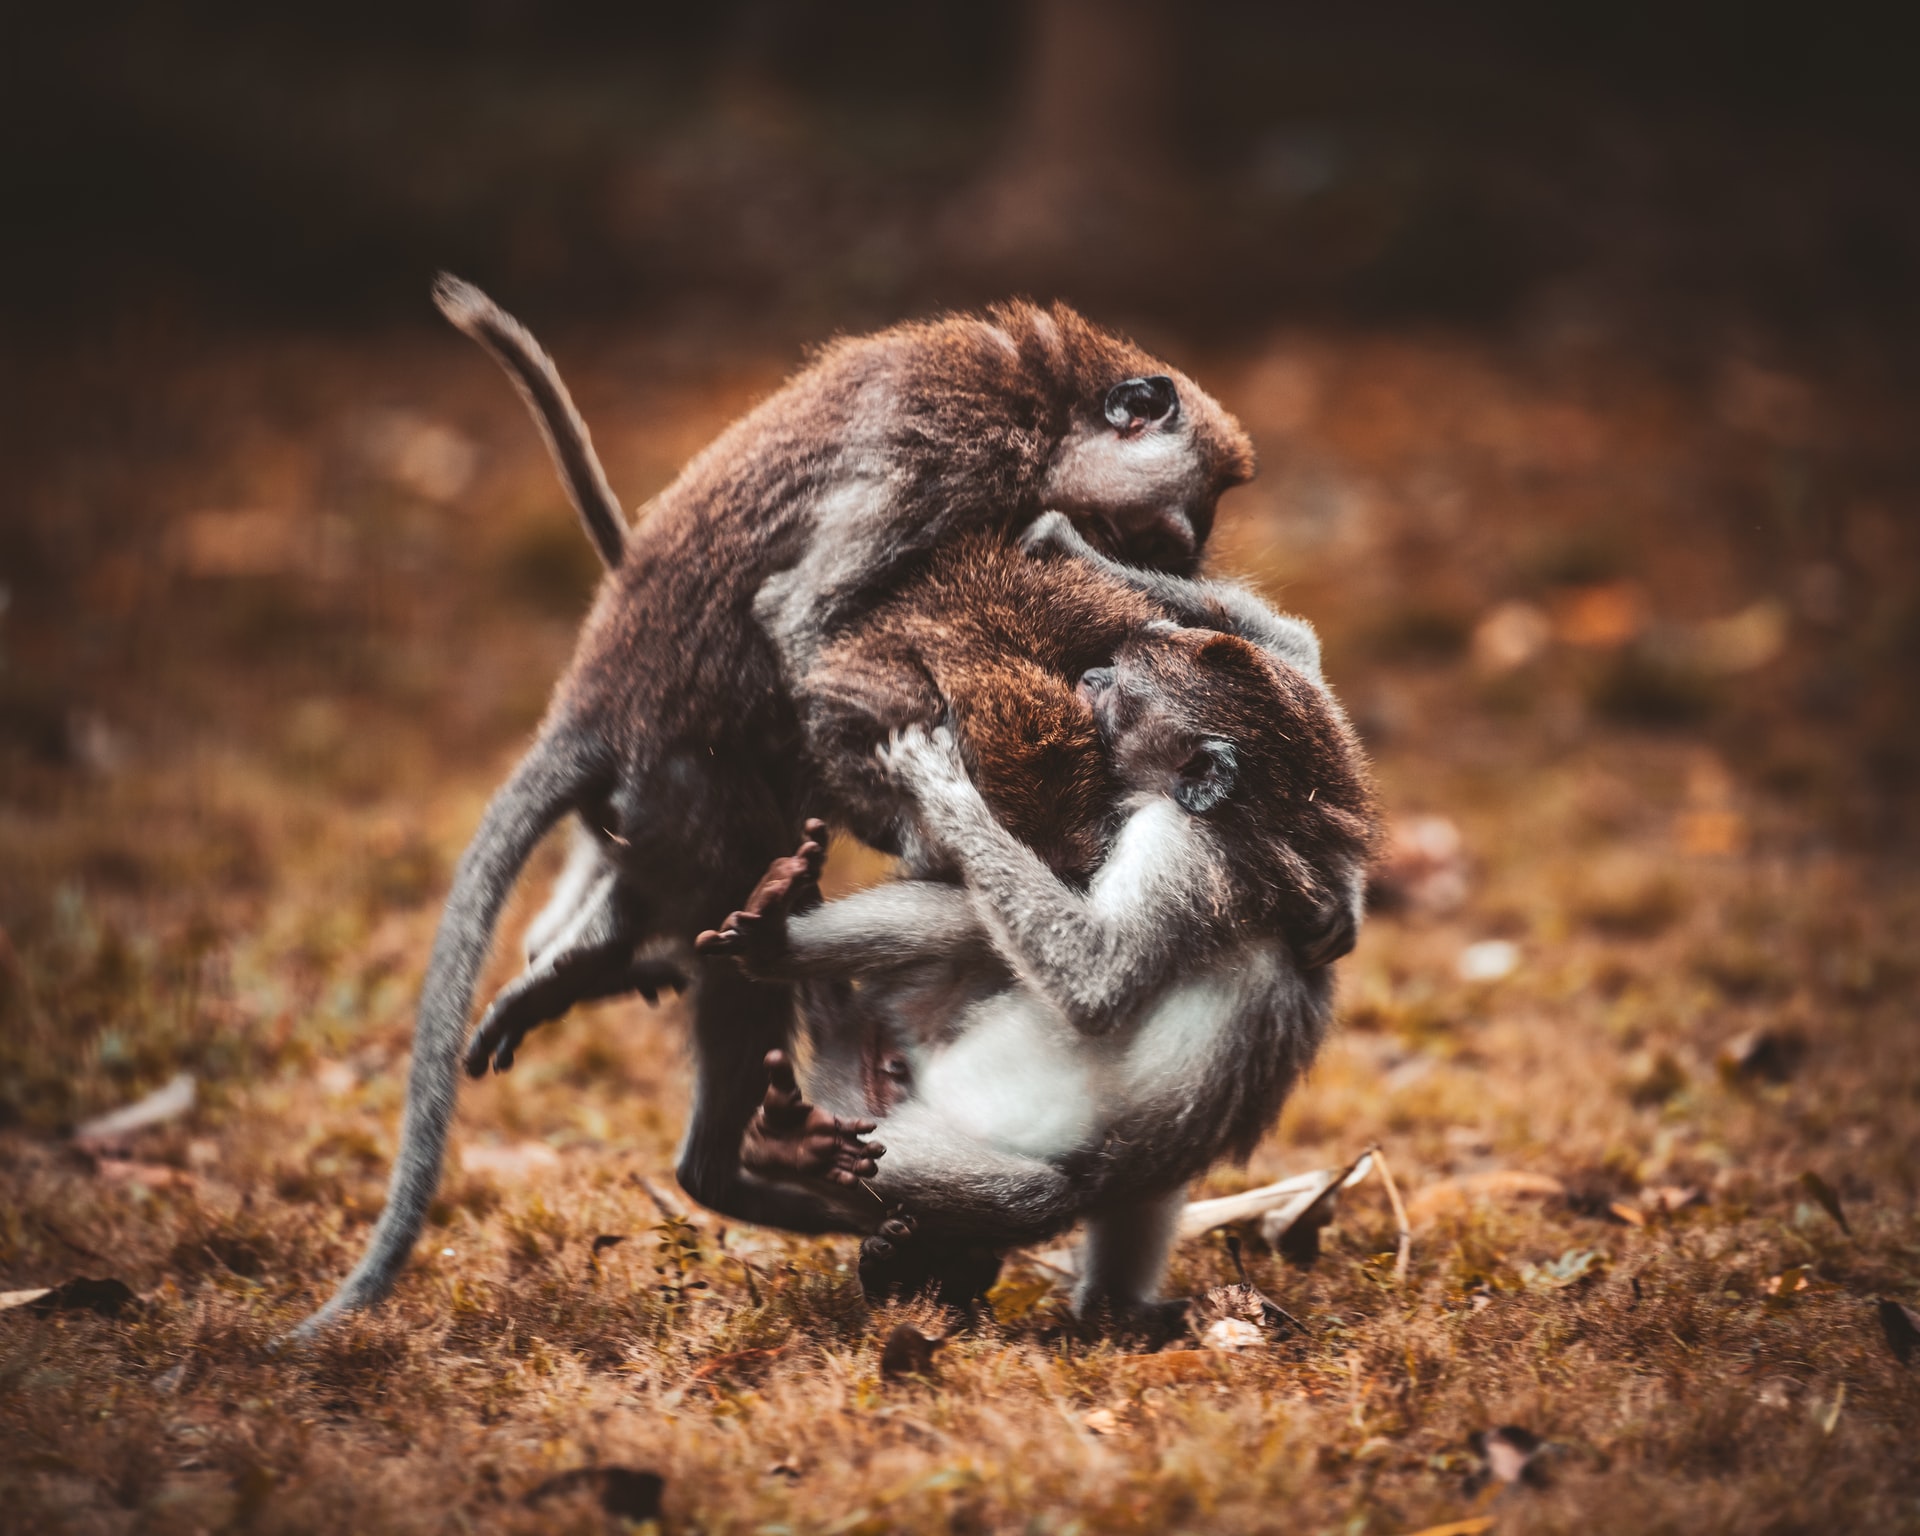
[(1151, 401)]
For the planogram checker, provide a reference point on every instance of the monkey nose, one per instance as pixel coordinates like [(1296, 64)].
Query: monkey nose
[(1151, 401)]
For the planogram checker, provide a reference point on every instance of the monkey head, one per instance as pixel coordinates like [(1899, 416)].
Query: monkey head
[(1247, 746), (1141, 453)]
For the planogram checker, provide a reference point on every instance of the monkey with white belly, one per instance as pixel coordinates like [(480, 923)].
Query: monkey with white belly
[(1038, 1035)]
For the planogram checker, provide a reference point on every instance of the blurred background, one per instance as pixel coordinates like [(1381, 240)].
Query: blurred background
[(1578, 342), (1581, 347)]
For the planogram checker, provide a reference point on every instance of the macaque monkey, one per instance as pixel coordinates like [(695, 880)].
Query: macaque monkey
[(1037, 1048), (674, 736)]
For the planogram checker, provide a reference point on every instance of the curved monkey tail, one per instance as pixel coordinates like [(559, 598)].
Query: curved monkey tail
[(548, 783), (538, 381)]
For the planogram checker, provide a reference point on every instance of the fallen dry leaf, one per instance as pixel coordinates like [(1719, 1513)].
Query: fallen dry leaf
[(1766, 1055), (1573, 1266), (1450, 1196), (1901, 1325), (1469, 1527), (1823, 1192), (1232, 1335), (1103, 1421), (1281, 1202), (107, 1297), (165, 1103), (1665, 1199), (908, 1352), (625, 1492)]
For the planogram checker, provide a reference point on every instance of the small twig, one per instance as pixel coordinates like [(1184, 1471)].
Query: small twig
[(668, 1207), (870, 1190), (1405, 1256)]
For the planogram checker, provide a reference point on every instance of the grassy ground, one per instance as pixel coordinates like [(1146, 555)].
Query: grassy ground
[(1640, 632)]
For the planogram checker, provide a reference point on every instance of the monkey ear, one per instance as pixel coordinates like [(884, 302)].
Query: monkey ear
[(1206, 778)]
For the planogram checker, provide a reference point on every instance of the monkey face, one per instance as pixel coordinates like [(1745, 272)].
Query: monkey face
[(1211, 720), (1144, 452)]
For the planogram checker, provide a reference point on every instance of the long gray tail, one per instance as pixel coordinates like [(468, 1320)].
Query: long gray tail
[(546, 785), (538, 381)]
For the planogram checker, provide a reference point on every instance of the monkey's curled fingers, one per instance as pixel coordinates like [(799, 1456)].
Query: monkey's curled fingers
[(923, 758), (788, 1138), (758, 931)]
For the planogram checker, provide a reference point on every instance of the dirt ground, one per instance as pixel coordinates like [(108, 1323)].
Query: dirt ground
[(1634, 631)]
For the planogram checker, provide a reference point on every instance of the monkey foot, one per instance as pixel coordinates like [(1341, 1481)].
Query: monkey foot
[(896, 1263), (758, 930), (542, 996), (788, 1138)]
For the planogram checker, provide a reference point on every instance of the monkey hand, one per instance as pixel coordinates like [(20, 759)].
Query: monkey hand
[(1054, 533), (925, 761), (756, 935)]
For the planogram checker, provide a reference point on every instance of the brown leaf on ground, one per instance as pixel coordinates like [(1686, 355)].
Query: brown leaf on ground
[(1829, 1200), (108, 1297), (1469, 1527), (1451, 1196), (625, 1492), (1901, 1325), (908, 1352), (1103, 1421), (1509, 1454), (1762, 1055), (1665, 1199), (1232, 1335)]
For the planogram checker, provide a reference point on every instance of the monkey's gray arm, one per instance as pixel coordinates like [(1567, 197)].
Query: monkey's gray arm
[(1219, 605), (904, 923), (1093, 957)]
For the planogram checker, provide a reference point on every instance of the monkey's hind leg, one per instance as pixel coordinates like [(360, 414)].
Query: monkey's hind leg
[(1123, 1261), (590, 957)]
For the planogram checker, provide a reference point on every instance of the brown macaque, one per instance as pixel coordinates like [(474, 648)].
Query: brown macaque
[(1037, 1049), (675, 737)]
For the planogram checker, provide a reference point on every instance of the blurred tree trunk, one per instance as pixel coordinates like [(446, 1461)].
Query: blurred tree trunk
[(1086, 176)]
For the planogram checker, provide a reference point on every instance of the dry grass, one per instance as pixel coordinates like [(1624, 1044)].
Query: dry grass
[(231, 802)]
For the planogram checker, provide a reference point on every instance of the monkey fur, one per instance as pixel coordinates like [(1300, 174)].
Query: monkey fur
[(674, 736), (1055, 1053)]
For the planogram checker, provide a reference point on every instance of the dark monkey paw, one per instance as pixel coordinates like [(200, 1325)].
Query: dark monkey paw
[(788, 1138), (540, 997), (758, 931)]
